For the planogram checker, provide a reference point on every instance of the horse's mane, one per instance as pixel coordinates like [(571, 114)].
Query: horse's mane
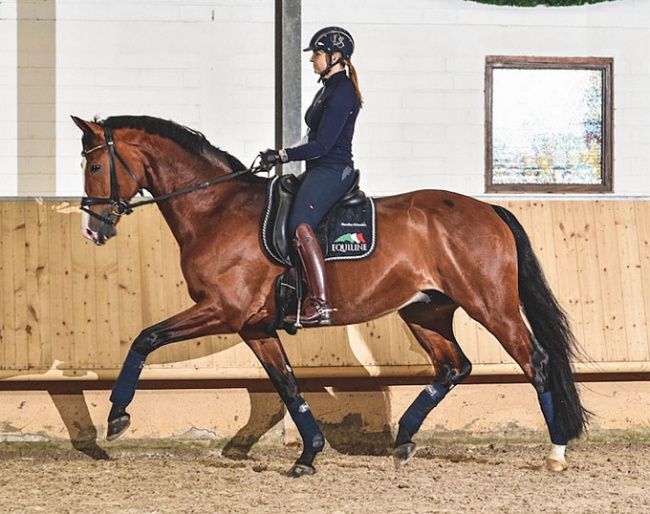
[(185, 137)]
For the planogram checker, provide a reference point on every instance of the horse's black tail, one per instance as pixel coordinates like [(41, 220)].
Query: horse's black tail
[(550, 327)]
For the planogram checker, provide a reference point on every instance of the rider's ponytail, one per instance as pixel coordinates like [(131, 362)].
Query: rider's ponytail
[(354, 79)]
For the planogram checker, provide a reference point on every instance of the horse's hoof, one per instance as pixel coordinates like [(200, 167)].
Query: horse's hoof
[(301, 470), (556, 466), (117, 426), (403, 454)]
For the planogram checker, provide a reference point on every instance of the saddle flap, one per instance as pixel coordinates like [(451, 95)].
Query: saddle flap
[(283, 190)]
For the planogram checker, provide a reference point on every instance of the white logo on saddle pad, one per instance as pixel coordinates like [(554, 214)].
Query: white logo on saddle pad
[(350, 242)]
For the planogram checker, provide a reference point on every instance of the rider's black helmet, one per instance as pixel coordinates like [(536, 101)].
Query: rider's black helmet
[(332, 39)]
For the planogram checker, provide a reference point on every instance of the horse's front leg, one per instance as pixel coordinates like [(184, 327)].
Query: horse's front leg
[(271, 354), (199, 320)]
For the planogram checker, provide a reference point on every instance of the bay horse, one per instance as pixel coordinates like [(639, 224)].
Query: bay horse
[(436, 251)]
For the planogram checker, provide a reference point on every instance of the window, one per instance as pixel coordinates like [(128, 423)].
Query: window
[(548, 124)]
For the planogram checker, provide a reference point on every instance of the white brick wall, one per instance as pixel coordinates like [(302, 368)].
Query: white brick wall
[(204, 64), (209, 65), (8, 94), (421, 64)]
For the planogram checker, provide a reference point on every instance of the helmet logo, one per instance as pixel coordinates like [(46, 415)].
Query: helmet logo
[(337, 40)]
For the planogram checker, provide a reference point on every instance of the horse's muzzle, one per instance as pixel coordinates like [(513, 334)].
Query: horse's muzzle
[(96, 230)]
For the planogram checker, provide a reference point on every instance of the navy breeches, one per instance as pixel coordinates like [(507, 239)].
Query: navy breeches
[(321, 188)]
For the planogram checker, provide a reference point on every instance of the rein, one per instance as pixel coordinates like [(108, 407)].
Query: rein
[(121, 207)]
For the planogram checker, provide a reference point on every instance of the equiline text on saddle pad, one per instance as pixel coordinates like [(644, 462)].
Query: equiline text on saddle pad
[(347, 232)]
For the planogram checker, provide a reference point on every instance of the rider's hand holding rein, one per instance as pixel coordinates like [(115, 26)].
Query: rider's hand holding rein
[(270, 157)]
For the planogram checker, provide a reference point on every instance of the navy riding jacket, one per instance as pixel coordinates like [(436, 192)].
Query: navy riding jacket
[(331, 119)]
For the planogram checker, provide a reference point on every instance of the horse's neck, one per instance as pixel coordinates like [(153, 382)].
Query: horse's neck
[(168, 175), (181, 212), (197, 215)]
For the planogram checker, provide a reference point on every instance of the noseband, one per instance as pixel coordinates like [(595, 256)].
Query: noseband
[(121, 207)]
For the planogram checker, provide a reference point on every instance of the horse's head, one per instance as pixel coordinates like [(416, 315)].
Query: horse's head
[(112, 177)]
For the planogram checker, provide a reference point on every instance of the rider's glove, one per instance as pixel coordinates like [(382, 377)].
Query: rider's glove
[(270, 158)]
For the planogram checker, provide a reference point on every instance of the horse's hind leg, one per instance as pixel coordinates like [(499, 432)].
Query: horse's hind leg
[(514, 282), (432, 325), (505, 322), (534, 360)]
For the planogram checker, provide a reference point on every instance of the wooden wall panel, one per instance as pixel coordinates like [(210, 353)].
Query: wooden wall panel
[(643, 239), (70, 309)]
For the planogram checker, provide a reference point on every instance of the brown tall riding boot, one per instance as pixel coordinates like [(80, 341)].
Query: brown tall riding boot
[(317, 310)]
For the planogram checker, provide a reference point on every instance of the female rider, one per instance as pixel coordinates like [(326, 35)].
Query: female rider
[(327, 150)]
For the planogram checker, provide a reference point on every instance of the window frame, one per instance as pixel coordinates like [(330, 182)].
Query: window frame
[(603, 64)]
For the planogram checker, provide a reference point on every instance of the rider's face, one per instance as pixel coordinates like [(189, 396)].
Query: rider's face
[(319, 61)]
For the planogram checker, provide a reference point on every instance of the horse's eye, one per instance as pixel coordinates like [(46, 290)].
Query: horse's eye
[(95, 168)]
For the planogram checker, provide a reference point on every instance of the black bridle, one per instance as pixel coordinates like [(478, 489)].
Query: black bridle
[(121, 207)]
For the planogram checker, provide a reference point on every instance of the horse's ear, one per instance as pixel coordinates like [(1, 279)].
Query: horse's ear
[(85, 126)]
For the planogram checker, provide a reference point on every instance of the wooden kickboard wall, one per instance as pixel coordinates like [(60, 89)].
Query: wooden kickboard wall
[(71, 310)]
